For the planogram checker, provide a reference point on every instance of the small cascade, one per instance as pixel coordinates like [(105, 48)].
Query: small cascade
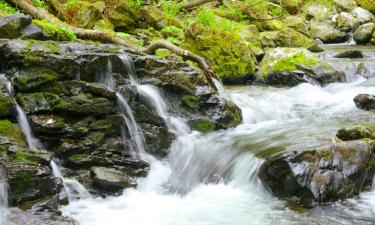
[(220, 89), (3, 197), (73, 188), (32, 142)]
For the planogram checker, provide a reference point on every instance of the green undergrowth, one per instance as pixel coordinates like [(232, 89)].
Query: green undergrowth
[(60, 33), (6, 8)]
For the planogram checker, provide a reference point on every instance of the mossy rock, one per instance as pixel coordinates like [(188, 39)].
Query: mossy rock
[(203, 125), (355, 133), (6, 106), (190, 103), (55, 32), (287, 37), (230, 55), (123, 17), (12, 131), (89, 14), (33, 82), (367, 4)]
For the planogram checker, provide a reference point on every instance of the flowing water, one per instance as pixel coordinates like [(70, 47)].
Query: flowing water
[(211, 179), (3, 197)]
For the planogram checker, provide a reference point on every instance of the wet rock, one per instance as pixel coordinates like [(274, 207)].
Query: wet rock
[(363, 15), (351, 54), (292, 66), (7, 106), (346, 22), (364, 33), (329, 174), (111, 180), (11, 26), (365, 101), (326, 32), (355, 133)]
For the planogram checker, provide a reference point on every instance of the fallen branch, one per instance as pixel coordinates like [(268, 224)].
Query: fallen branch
[(195, 4), (203, 64)]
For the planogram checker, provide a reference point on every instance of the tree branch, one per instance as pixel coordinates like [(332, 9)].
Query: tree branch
[(195, 4)]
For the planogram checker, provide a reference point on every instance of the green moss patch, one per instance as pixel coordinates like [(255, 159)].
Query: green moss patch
[(57, 32)]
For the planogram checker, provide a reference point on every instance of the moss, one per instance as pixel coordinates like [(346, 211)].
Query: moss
[(77, 158), (367, 4), (203, 125), (190, 103), (58, 32), (326, 155), (6, 106), (32, 83), (162, 53), (11, 131), (290, 63)]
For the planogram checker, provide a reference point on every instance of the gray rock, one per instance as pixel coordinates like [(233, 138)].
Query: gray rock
[(11, 26), (345, 5), (365, 101), (324, 175), (326, 32), (363, 15), (364, 33), (318, 12), (111, 180), (346, 22)]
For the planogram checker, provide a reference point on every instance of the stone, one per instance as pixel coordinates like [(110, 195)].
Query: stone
[(351, 54), (363, 15), (122, 16), (318, 12), (316, 176), (346, 22), (298, 24), (326, 32), (345, 5), (364, 33), (89, 14), (111, 180), (11, 26), (7, 106), (367, 4), (355, 133), (292, 66), (365, 101)]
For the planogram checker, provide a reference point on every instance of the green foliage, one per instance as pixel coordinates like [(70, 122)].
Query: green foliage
[(70, 4), (6, 8), (173, 34), (290, 63), (328, 3), (130, 39), (206, 17), (135, 4), (58, 32), (170, 10), (38, 3)]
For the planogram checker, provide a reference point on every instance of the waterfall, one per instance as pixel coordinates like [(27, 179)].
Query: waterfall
[(3, 197), (73, 188), (32, 142)]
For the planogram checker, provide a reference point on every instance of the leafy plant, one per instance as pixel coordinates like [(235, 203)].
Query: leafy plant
[(58, 32), (170, 10), (38, 3), (206, 17), (6, 8), (135, 4)]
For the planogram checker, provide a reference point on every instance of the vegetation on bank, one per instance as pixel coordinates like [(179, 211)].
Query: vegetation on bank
[(232, 35)]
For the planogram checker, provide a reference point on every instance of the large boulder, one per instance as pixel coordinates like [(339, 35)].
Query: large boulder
[(287, 37), (345, 5), (326, 32), (292, 66), (19, 26), (318, 12), (365, 101), (363, 15), (367, 4), (364, 33), (346, 22), (336, 172)]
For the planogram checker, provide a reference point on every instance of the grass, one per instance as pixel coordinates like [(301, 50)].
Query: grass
[(6, 8), (170, 10)]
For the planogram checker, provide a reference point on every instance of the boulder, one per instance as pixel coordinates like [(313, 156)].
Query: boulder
[(292, 66), (11, 26), (367, 4), (318, 12), (89, 14), (111, 180), (365, 101), (326, 32), (364, 33), (287, 37), (355, 133), (316, 176), (122, 16), (363, 15), (345, 5), (298, 24), (346, 22), (351, 54)]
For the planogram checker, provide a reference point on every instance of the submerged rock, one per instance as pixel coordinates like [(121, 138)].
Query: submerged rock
[(291, 66), (329, 174), (349, 54), (365, 101)]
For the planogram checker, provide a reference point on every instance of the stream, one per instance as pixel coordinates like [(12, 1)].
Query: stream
[(211, 179)]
